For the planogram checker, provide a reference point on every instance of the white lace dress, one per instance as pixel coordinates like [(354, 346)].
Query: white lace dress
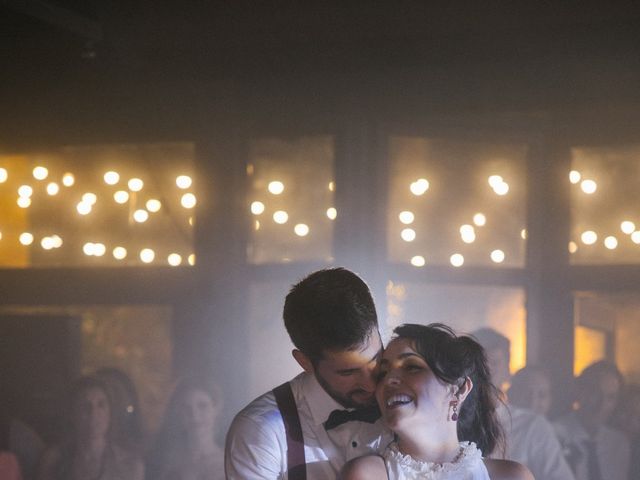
[(467, 466)]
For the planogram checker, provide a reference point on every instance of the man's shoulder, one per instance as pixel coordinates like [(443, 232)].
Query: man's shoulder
[(263, 411)]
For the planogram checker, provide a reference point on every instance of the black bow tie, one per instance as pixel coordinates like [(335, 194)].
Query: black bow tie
[(338, 417)]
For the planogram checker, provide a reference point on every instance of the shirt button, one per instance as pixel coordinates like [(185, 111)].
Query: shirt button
[(354, 444)]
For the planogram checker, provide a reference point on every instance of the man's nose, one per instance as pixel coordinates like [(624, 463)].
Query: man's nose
[(368, 379)]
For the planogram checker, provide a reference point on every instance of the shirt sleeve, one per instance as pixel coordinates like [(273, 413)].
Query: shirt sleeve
[(545, 452), (254, 450)]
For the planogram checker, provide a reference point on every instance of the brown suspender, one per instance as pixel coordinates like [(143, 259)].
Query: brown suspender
[(296, 463)]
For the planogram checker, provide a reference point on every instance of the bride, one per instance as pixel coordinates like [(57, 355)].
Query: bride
[(435, 394)]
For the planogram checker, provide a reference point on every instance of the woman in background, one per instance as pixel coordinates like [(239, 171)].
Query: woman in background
[(89, 451), (435, 394), (186, 447)]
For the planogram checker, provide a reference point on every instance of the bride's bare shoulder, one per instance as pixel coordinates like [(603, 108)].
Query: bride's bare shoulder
[(368, 467), (507, 470)]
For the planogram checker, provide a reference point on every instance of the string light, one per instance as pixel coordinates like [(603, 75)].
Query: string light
[(68, 179), (611, 242), (257, 207), (479, 219), (589, 237), (147, 255), (183, 181), (121, 196), (280, 217), (588, 186), (24, 202), (635, 237), (418, 261), (419, 187), (88, 249), (457, 260), (408, 234), (188, 200), (57, 241), (99, 249), (40, 173), (119, 253), (53, 188), (574, 176), (140, 216), (191, 259), (301, 229), (47, 243), (276, 187), (495, 180), (523, 234), (153, 205), (332, 213), (135, 184), (83, 208), (332, 186), (26, 238), (628, 227), (111, 177), (501, 189), (4, 175), (174, 259), (406, 217), (497, 256), (467, 233), (573, 247), (90, 198), (25, 191)]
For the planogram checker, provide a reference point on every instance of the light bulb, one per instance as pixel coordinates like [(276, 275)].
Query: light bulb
[(40, 173), (111, 177), (301, 230), (280, 217), (406, 217), (188, 200), (276, 187), (418, 261), (257, 207), (183, 181)]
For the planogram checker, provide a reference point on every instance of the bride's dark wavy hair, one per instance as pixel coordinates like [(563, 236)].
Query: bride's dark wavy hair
[(452, 358)]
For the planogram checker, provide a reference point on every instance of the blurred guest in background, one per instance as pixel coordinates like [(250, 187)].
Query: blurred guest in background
[(20, 440), (186, 447), (89, 450), (627, 419), (531, 389), (126, 416), (530, 438), (595, 450)]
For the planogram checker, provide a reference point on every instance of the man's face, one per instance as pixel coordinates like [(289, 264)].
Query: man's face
[(499, 365), (348, 376)]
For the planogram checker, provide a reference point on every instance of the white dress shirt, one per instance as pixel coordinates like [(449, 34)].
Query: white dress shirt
[(531, 440), (612, 448), (256, 444)]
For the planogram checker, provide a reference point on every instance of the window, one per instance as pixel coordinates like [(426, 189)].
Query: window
[(98, 206), (605, 205), (291, 200), (456, 203)]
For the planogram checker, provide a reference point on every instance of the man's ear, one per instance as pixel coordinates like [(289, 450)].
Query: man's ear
[(303, 361), (464, 389)]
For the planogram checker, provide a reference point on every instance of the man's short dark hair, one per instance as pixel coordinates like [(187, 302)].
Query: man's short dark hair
[(330, 309), (490, 339)]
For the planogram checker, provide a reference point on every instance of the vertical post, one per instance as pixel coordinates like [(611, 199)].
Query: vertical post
[(550, 331)]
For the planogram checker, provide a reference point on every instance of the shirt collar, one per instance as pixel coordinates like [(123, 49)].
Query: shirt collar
[(321, 404)]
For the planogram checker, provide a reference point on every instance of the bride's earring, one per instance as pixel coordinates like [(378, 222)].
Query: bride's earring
[(453, 404)]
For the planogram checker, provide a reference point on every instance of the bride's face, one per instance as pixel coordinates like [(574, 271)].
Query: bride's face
[(408, 392)]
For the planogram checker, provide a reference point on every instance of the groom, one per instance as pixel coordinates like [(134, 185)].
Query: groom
[(310, 427)]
